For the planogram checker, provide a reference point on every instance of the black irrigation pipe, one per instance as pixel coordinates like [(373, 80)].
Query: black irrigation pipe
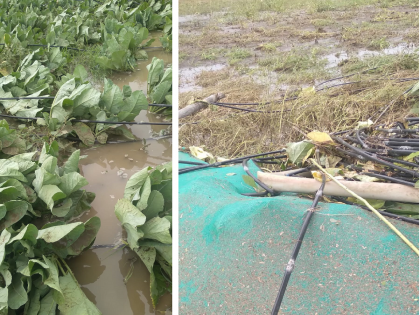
[(291, 264), (122, 122), (368, 156), (191, 162), (38, 45), (268, 190), (251, 110), (302, 170), (353, 82), (349, 153), (391, 179), (346, 76), (401, 143), (53, 97), (404, 147), (395, 130), (266, 103), (358, 168), (272, 157), (391, 152), (386, 158), (408, 140), (414, 122), (384, 213), (116, 142), (412, 118), (97, 121), (237, 160)]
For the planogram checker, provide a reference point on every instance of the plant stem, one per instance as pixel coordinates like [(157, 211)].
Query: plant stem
[(380, 216)]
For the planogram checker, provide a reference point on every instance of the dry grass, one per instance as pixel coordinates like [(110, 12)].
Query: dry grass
[(273, 45)]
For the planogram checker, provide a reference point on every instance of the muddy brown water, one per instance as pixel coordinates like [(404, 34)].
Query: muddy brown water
[(101, 271)]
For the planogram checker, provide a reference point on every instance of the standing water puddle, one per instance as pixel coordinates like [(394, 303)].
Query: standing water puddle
[(101, 271), (187, 76)]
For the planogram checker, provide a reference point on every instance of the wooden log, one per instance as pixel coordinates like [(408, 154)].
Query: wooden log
[(197, 106), (371, 190)]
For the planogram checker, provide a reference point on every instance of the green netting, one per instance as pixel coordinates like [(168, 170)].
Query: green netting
[(233, 250)]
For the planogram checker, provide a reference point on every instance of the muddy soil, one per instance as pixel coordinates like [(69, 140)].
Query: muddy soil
[(101, 271), (332, 36)]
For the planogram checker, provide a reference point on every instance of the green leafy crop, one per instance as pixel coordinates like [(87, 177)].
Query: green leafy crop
[(34, 276), (145, 212)]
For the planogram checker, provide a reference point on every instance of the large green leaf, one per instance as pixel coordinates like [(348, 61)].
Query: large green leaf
[(50, 194), (17, 292), (84, 133), (155, 205), (72, 182), (135, 183), (148, 256), (74, 301), (298, 151), (158, 229), (126, 212)]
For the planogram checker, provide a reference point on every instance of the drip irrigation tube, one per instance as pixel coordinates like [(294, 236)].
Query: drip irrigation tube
[(39, 45), (291, 264), (368, 156), (53, 97), (97, 121), (347, 76), (391, 152), (191, 162), (266, 103), (261, 184), (398, 161), (237, 160), (398, 130), (391, 179)]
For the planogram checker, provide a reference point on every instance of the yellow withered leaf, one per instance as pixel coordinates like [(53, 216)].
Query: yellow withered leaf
[(318, 176), (320, 137)]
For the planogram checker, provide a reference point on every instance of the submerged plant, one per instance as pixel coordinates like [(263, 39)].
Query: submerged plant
[(145, 212), (159, 85), (35, 278)]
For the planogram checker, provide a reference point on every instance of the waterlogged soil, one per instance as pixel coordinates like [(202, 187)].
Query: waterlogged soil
[(101, 271), (333, 36)]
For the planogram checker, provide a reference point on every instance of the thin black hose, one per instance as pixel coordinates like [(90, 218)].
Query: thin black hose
[(291, 264), (386, 158), (53, 97), (97, 121), (299, 171), (346, 76), (391, 179), (398, 130), (368, 156), (237, 160), (38, 45), (192, 162), (364, 145), (392, 152), (265, 103)]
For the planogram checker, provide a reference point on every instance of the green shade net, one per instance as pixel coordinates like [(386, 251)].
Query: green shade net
[(233, 250)]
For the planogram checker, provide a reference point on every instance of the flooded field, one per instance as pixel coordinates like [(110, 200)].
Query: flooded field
[(262, 52), (101, 271)]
